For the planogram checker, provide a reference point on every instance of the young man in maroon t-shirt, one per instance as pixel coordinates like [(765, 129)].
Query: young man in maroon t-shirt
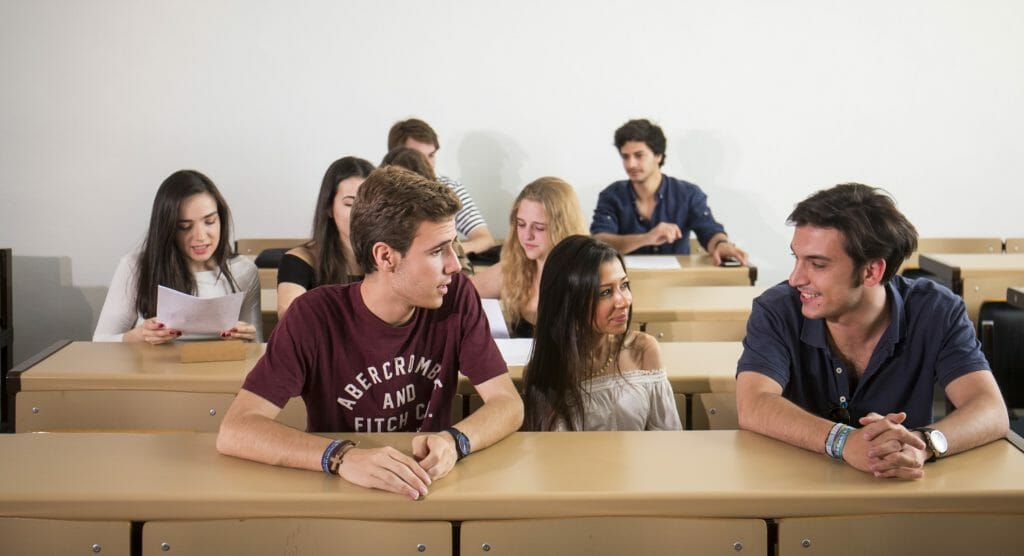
[(382, 355)]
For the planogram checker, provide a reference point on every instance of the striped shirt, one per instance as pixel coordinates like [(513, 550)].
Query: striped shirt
[(468, 218)]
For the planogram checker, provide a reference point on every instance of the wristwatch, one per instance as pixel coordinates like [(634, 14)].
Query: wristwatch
[(936, 442), (461, 442)]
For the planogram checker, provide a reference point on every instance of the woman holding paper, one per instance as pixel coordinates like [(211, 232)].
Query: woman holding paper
[(187, 249), (545, 212), (588, 370)]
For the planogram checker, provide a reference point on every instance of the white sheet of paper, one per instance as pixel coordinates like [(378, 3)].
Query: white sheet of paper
[(516, 351), (197, 317), (651, 262), (492, 308)]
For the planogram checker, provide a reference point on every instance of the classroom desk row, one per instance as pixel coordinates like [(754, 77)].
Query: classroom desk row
[(976, 277), (693, 492), (132, 386)]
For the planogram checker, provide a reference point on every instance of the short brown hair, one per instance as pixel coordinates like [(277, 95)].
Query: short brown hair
[(389, 208), (872, 226), (411, 160), (413, 128)]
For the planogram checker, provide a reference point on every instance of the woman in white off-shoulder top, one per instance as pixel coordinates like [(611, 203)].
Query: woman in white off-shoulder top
[(588, 371), (187, 248)]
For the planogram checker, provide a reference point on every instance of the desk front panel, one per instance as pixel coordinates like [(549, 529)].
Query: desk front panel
[(307, 537), (704, 474), (905, 534), (977, 278), (614, 536), (694, 303), (29, 537)]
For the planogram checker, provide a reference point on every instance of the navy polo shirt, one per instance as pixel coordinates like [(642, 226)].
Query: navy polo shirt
[(678, 201), (929, 339)]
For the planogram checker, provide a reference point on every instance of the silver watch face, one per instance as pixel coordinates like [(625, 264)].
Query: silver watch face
[(938, 442)]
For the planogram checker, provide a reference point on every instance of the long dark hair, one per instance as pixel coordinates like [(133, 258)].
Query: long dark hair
[(328, 255), (565, 339), (161, 262)]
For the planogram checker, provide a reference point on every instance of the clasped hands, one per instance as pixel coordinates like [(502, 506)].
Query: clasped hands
[(389, 469), (885, 448)]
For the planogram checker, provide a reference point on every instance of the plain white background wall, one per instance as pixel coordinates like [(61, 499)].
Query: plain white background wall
[(762, 102)]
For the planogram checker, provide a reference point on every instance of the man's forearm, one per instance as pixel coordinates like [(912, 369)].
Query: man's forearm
[(258, 438), (977, 422), (776, 417), (479, 239), (624, 244), (496, 419)]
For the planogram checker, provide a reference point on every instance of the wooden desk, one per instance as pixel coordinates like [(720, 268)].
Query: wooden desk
[(689, 313), (695, 270), (990, 245), (1015, 297), (975, 277), (118, 386), (552, 477)]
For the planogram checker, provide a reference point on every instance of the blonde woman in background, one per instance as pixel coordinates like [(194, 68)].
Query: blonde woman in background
[(545, 212)]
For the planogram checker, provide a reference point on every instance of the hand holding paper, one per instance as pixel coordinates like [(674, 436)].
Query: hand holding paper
[(206, 317)]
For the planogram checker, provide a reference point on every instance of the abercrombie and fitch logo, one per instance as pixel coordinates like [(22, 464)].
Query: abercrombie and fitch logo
[(403, 396)]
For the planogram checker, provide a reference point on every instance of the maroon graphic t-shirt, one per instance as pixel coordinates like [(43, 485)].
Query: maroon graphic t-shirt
[(359, 374)]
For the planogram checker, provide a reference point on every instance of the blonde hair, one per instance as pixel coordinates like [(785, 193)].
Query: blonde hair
[(565, 218)]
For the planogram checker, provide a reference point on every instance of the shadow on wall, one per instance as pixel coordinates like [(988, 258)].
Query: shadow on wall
[(47, 307), (489, 168), (710, 161)]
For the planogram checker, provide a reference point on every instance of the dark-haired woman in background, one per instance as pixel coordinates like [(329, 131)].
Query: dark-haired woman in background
[(187, 248), (327, 258), (588, 371)]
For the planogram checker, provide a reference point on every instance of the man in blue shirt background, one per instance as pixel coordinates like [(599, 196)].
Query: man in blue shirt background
[(653, 213), (847, 342)]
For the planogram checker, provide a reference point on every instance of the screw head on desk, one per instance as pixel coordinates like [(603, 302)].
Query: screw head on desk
[(35, 410), (97, 548), (737, 546), (485, 547), (213, 412), (713, 411), (165, 547), (421, 548), (806, 543)]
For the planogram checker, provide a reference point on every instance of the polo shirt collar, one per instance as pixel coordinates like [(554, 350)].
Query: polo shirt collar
[(813, 333)]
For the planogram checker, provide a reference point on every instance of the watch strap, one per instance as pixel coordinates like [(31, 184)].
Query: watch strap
[(462, 447)]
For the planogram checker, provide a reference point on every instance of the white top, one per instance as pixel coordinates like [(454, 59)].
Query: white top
[(633, 401), (119, 315)]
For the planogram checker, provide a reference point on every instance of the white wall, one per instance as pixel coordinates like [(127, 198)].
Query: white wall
[(762, 102)]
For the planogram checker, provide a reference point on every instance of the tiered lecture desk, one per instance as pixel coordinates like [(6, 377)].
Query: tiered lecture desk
[(6, 332), (693, 270), (693, 492), (976, 277), (134, 386), (694, 313), (990, 245)]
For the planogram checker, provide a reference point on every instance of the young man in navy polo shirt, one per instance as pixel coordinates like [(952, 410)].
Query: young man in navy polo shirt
[(847, 342), (653, 213)]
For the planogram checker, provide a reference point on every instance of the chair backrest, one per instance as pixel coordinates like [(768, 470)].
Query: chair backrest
[(1015, 245), (254, 246), (952, 245)]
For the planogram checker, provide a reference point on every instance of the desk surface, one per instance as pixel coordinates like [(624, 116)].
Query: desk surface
[(692, 367), (696, 269), (528, 475), (957, 266), (694, 303)]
